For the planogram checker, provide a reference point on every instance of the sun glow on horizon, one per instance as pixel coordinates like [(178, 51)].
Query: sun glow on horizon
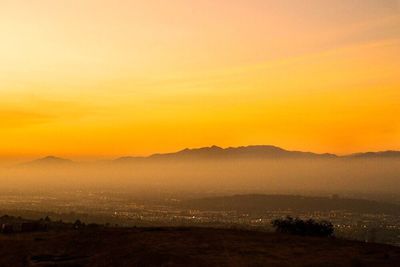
[(113, 78)]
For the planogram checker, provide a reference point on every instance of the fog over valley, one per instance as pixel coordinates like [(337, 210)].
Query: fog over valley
[(261, 169)]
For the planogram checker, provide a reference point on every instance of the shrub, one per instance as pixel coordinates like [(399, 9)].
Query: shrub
[(303, 227)]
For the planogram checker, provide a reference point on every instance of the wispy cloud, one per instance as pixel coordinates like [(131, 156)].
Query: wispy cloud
[(10, 118), (30, 111)]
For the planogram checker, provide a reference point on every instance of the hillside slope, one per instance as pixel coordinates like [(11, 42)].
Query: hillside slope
[(186, 247)]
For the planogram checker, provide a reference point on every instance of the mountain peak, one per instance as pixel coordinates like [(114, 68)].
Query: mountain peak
[(52, 158), (49, 161), (255, 152), (380, 154)]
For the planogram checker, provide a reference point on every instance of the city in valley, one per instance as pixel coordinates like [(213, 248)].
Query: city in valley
[(352, 218)]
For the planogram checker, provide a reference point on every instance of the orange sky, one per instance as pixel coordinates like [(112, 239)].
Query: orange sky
[(95, 78)]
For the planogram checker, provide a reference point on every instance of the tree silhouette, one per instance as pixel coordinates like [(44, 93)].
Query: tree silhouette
[(308, 227)]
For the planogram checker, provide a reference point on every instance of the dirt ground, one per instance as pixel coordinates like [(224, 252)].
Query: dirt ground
[(187, 247)]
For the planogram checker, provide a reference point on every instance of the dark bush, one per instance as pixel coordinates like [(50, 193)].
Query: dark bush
[(303, 227), (78, 224)]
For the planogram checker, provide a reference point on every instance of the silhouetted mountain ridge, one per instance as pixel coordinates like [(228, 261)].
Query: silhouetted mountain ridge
[(242, 152), (215, 152), (380, 154)]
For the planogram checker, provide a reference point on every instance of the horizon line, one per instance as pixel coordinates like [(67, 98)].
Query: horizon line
[(95, 158)]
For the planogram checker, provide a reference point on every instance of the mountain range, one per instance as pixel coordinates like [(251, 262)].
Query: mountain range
[(255, 152), (243, 152)]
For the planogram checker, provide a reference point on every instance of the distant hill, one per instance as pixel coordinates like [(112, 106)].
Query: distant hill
[(382, 154), (48, 161), (261, 203)]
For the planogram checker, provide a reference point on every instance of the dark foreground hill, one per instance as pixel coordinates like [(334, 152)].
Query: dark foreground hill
[(186, 247)]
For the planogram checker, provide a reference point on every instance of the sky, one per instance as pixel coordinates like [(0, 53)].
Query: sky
[(96, 78)]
